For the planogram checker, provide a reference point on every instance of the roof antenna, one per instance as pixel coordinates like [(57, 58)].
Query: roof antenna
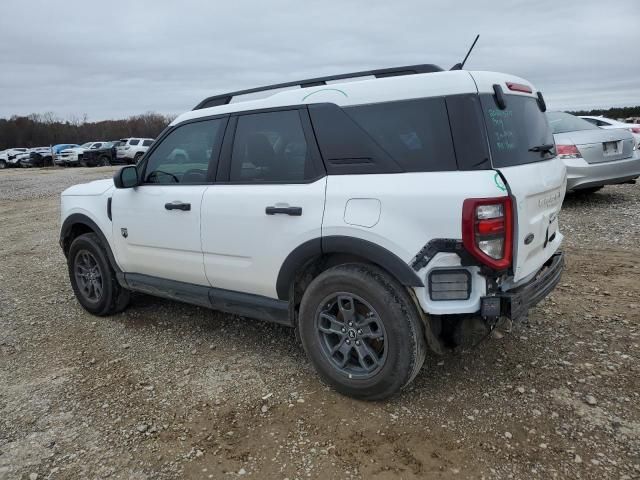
[(459, 66)]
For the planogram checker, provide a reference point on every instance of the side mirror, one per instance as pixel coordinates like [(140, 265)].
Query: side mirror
[(126, 177)]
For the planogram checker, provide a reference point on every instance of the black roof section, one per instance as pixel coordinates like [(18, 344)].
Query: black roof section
[(225, 98)]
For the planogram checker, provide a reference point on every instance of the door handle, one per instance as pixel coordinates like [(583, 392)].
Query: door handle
[(177, 205), (293, 211)]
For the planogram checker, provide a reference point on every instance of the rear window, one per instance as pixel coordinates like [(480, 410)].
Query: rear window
[(415, 133), (562, 122), (517, 129)]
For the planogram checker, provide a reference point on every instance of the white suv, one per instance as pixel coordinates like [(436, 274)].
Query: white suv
[(378, 216), (131, 150)]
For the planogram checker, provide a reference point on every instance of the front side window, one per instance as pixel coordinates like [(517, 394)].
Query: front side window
[(183, 156), (147, 143), (270, 147)]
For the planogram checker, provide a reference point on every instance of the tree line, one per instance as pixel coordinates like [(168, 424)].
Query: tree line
[(41, 130), (615, 112)]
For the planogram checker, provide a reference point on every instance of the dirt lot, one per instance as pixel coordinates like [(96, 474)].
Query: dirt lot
[(166, 390)]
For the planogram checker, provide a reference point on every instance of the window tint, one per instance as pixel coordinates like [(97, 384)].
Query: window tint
[(183, 156), (147, 143), (562, 122), (514, 131), (415, 132), (134, 142), (270, 147)]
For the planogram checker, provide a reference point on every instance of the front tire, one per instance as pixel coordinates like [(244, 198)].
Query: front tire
[(92, 277), (104, 161), (3, 164), (361, 331)]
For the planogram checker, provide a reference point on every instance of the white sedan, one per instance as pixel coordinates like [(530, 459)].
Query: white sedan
[(604, 122)]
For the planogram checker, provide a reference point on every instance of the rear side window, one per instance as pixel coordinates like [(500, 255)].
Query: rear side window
[(270, 147), (134, 142), (415, 133), (147, 143), (515, 132)]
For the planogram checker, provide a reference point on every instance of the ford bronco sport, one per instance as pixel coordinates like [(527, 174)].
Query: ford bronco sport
[(379, 216)]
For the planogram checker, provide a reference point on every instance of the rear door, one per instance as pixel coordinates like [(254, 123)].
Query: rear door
[(523, 153), (268, 199)]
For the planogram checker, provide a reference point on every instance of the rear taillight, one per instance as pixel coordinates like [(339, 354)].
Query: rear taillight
[(635, 129), (487, 230), (568, 151)]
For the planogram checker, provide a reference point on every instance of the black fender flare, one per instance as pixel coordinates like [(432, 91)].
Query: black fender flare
[(347, 245), (80, 219)]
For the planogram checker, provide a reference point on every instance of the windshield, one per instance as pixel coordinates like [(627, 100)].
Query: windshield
[(562, 122), (519, 134)]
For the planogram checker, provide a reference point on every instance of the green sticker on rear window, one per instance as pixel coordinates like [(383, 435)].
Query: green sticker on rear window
[(499, 183)]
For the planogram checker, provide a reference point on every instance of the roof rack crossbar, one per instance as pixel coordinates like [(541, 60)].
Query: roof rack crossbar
[(225, 98)]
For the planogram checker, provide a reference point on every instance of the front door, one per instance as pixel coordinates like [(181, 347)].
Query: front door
[(156, 226), (268, 199)]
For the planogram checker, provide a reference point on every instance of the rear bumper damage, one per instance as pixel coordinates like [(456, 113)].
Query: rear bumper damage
[(514, 304)]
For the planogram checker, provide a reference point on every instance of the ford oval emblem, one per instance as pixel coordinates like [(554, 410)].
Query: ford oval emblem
[(528, 239)]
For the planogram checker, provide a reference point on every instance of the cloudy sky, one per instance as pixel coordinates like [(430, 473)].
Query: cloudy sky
[(111, 59)]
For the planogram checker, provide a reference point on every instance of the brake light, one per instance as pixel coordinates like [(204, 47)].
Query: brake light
[(487, 230), (568, 151), (519, 87), (635, 129)]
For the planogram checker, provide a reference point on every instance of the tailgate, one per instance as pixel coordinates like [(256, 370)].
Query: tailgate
[(538, 191), (522, 151)]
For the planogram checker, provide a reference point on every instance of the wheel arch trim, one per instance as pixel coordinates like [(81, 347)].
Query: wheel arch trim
[(81, 219), (365, 249)]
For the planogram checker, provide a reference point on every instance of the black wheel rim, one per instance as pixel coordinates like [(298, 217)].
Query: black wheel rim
[(88, 276), (352, 335)]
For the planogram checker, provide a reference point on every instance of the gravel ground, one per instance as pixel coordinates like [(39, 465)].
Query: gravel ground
[(166, 390)]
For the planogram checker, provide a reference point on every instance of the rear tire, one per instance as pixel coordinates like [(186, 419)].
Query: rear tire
[(3, 164), (92, 277), (137, 157), (361, 331), (104, 161)]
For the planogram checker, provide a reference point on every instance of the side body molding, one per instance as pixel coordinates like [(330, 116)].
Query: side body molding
[(345, 245)]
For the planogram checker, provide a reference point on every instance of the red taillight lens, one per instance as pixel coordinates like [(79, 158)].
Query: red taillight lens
[(568, 151), (519, 87), (635, 129), (487, 230)]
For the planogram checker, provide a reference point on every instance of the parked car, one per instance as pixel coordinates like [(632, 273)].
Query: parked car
[(88, 154), (610, 123), (388, 216), (131, 150), (37, 157), (9, 157), (56, 149), (100, 157), (594, 157)]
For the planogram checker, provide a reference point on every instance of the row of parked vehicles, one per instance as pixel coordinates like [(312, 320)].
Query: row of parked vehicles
[(90, 154)]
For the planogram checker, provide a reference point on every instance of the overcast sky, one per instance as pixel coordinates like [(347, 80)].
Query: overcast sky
[(112, 59)]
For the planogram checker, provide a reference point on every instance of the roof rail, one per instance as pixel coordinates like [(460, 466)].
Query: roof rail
[(225, 98)]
